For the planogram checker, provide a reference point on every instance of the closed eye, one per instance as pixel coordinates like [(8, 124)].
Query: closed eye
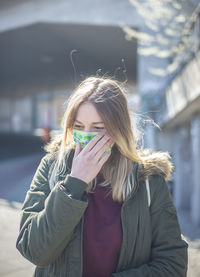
[(98, 128), (77, 126)]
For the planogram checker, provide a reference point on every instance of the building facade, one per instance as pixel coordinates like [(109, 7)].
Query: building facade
[(48, 46), (178, 115)]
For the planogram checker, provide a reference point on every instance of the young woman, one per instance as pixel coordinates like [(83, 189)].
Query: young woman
[(98, 205)]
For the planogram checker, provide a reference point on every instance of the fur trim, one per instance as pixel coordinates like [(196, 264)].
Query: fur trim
[(151, 162), (155, 163), (54, 144)]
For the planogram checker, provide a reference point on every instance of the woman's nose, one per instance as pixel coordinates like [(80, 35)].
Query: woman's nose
[(87, 129)]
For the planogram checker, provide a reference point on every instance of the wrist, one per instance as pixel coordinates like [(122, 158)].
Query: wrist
[(78, 177), (75, 187)]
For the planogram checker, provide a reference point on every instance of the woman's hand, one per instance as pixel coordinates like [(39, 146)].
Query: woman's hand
[(88, 162)]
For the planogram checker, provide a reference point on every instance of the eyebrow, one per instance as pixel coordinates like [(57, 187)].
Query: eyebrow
[(99, 122)]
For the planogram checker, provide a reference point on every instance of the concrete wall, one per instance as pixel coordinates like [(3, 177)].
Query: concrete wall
[(183, 167), (180, 121), (195, 193), (105, 12)]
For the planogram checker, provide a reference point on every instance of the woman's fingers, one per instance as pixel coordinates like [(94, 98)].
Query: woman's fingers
[(92, 143), (102, 149), (101, 143), (104, 158), (77, 149), (87, 159)]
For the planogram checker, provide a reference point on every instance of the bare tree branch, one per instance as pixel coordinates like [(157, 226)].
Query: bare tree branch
[(169, 31)]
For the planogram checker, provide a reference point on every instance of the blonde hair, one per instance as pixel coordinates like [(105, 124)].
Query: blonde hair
[(109, 98)]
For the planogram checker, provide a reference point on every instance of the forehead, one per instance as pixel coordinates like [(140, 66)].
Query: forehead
[(88, 113)]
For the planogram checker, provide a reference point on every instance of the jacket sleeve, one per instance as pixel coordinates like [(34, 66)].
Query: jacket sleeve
[(48, 218), (169, 250)]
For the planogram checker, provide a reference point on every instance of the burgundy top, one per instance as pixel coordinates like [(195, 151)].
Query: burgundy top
[(102, 233)]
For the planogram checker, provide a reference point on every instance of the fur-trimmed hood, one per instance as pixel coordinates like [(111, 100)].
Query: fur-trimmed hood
[(152, 162), (155, 163)]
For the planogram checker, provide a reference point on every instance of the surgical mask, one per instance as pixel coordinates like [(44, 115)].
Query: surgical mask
[(84, 137)]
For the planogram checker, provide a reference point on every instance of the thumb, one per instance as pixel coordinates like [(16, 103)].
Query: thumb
[(77, 149)]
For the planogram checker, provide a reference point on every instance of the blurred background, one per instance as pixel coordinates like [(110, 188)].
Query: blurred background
[(47, 47)]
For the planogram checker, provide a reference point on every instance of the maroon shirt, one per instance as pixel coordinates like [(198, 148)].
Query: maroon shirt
[(102, 233)]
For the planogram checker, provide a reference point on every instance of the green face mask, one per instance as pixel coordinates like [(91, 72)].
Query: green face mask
[(84, 137)]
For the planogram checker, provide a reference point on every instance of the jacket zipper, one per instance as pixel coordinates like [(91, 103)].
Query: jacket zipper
[(123, 233), (81, 271), (123, 224)]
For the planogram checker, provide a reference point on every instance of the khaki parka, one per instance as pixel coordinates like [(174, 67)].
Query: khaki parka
[(51, 224)]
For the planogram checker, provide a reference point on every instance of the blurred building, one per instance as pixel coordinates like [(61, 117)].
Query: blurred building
[(48, 46), (177, 111)]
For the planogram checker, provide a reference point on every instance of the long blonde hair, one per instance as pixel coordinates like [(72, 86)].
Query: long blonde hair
[(110, 101)]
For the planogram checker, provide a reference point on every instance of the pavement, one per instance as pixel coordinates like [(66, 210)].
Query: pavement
[(192, 235), (15, 179), (12, 263)]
